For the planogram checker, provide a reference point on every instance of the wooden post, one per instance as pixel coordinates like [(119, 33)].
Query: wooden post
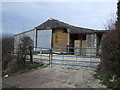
[(31, 55), (68, 40), (50, 58)]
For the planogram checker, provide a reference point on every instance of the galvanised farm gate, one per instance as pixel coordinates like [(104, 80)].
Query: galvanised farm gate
[(78, 59)]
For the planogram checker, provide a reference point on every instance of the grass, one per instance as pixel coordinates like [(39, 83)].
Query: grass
[(36, 52), (34, 65), (102, 75), (29, 66), (95, 56), (4, 73)]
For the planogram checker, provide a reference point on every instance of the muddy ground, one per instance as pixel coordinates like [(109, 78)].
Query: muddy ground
[(56, 76)]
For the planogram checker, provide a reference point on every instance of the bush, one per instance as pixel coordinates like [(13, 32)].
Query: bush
[(14, 61), (7, 50), (23, 49), (110, 53), (102, 75)]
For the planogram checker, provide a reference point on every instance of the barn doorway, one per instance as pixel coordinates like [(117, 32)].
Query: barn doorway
[(78, 41), (99, 38)]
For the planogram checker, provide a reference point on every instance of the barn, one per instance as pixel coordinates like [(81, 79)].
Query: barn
[(55, 33)]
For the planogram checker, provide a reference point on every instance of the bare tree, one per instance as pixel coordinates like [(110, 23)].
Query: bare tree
[(111, 50), (110, 24), (7, 50), (23, 49)]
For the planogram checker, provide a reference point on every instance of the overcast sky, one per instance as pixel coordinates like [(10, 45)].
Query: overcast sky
[(21, 16)]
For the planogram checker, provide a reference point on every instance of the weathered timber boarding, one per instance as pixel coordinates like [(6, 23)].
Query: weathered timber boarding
[(60, 38)]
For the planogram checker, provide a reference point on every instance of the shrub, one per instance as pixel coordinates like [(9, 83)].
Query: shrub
[(110, 53), (7, 50), (23, 50), (102, 75)]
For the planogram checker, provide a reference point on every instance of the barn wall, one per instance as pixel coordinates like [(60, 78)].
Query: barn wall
[(80, 42), (59, 39), (91, 43), (44, 38), (17, 37)]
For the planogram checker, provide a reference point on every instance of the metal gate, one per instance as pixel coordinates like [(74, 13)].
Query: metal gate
[(62, 56)]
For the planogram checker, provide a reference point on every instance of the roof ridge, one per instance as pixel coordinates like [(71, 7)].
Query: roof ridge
[(70, 24), (54, 23)]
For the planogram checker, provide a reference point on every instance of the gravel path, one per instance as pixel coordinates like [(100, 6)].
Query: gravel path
[(54, 77), (57, 76)]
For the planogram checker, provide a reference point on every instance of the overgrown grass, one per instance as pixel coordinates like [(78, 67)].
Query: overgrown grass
[(102, 75), (4, 73), (29, 66), (34, 65)]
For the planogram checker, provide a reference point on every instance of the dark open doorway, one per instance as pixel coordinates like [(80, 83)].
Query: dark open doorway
[(80, 38), (99, 38)]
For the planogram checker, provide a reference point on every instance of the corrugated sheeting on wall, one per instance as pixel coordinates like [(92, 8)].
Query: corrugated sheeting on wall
[(44, 38), (17, 37), (91, 40), (91, 43)]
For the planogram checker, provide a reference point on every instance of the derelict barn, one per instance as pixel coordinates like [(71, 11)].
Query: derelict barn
[(54, 33)]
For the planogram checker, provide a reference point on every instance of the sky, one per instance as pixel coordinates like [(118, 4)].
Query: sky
[(22, 16)]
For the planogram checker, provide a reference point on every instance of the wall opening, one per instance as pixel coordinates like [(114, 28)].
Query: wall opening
[(78, 41), (99, 38)]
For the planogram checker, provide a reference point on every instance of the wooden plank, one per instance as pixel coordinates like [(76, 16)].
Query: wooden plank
[(61, 40), (77, 44), (83, 46)]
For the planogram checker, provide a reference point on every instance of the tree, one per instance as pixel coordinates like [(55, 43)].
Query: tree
[(111, 48), (118, 15), (23, 50), (110, 53), (7, 50)]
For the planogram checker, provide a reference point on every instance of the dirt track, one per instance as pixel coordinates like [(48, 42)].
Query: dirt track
[(54, 77)]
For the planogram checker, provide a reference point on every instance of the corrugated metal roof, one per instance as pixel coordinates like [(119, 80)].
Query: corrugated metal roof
[(24, 32)]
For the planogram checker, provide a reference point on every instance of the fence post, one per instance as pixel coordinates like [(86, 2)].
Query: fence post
[(68, 49), (91, 57), (41, 54), (63, 59), (51, 57), (31, 54)]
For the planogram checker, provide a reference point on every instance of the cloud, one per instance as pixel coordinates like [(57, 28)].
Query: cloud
[(20, 16), (59, 0)]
